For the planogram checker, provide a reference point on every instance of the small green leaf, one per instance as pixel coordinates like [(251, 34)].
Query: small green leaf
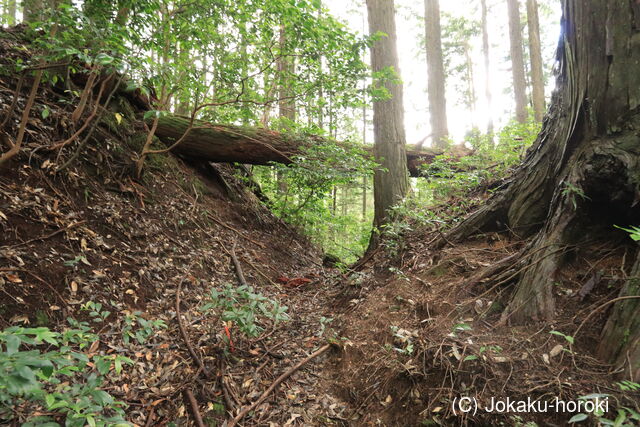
[(578, 418)]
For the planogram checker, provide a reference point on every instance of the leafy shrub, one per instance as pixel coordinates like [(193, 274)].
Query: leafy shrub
[(41, 370), (244, 307)]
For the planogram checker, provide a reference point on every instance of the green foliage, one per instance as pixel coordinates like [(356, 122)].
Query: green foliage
[(625, 416), (301, 194), (571, 191), (42, 369), (492, 159), (634, 231), (568, 338), (139, 328), (244, 307), (457, 33)]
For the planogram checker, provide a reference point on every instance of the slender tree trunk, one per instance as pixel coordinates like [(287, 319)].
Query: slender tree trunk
[(535, 53), (471, 83), (391, 184), (345, 197), (334, 200), (517, 61), (580, 176), (487, 64), (11, 12), (436, 78), (364, 142), (285, 66), (286, 105)]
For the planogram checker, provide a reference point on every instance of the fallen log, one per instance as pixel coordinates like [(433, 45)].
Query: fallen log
[(250, 145)]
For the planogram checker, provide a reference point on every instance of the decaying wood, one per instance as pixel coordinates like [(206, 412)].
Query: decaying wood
[(275, 384), (248, 145)]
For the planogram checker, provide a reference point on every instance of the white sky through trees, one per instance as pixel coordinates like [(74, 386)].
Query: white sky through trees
[(413, 66)]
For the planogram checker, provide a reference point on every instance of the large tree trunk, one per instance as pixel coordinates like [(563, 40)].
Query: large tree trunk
[(391, 184), (517, 61), (581, 175), (256, 146), (436, 78), (620, 338), (487, 68), (535, 53)]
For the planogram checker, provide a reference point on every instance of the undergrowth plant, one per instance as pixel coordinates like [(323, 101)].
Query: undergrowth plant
[(245, 308), (46, 372)]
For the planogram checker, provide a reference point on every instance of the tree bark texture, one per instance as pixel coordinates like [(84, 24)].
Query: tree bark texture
[(517, 60), (435, 72), (581, 175), (620, 338), (391, 184), (535, 53)]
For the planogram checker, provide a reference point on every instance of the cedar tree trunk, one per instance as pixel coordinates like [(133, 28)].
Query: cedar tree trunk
[(535, 53), (390, 185), (582, 174), (436, 78), (517, 61)]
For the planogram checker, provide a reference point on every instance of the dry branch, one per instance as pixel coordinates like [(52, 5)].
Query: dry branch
[(185, 337), (15, 145), (197, 418), (275, 384)]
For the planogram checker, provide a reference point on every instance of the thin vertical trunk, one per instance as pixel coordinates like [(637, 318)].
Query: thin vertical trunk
[(345, 196), (391, 182), (321, 90), (436, 77), (286, 105), (487, 65), (334, 204), (517, 61), (11, 12), (364, 178), (471, 84), (535, 53)]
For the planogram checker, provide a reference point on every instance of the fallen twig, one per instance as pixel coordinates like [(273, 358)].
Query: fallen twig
[(194, 408), (275, 384), (228, 227), (9, 111), (185, 337), (35, 276), (50, 235), (237, 265)]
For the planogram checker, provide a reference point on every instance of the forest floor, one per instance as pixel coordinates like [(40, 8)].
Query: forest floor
[(411, 328)]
